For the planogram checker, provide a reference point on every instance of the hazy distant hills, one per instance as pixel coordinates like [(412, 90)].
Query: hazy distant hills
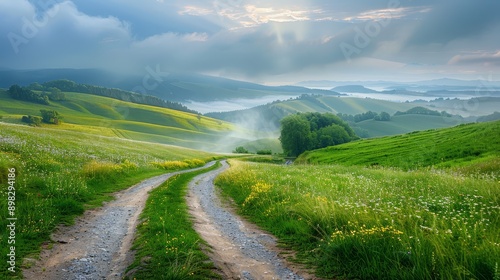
[(420, 86), (267, 117), (353, 89), (169, 86)]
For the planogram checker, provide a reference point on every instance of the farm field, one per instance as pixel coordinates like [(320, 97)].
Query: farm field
[(59, 174)]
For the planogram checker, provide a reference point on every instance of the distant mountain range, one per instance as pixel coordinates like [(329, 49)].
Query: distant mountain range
[(179, 87), (420, 86)]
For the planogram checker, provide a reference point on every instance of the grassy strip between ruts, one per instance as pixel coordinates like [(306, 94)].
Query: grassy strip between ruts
[(167, 245)]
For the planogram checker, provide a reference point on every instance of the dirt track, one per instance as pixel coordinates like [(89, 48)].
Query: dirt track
[(98, 245), (239, 249)]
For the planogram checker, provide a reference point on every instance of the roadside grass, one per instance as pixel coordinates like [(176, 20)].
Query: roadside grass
[(59, 174), (376, 223), (167, 246)]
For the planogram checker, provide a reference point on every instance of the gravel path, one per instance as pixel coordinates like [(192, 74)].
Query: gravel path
[(98, 245), (238, 248)]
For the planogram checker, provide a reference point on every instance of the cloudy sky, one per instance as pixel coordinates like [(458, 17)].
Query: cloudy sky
[(273, 42)]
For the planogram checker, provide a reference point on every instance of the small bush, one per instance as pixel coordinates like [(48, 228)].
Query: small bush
[(32, 120), (240, 150)]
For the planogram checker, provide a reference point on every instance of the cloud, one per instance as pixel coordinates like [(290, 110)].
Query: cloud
[(389, 13), (451, 20), (56, 37), (248, 39), (482, 58)]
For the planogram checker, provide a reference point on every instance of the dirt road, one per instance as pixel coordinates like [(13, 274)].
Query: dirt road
[(239, 249), (98, 245)]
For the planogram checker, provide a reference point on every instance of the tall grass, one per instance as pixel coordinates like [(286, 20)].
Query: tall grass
[(60, 174), (383, 223)]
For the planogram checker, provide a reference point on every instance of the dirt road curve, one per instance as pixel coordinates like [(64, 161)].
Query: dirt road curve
[(98, 245), (239, 249)]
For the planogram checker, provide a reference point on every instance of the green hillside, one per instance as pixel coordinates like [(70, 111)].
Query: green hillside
[(267, 117), (407, 123), (111, 117), (478, 142), (345, 105)]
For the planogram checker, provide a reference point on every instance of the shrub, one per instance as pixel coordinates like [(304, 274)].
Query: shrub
[(240, 150), (32, 120)]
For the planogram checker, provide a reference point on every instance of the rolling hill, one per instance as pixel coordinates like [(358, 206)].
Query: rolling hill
[(477, 142), (111, 117), (267, 117)]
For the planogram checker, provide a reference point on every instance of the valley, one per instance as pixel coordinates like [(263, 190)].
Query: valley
[(421, 183)]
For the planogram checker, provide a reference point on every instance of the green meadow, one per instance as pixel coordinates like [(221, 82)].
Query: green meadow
[(421, 205), (476, 144), (106, 116), (59, 174), (424, 205), (406, 124)]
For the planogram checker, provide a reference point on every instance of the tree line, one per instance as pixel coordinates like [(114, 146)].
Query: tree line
[(70, 86)]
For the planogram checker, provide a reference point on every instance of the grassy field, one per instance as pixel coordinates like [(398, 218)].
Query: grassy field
[(382, 223), (167, 246), (59, 174), (89, 113), (442, 148), (423, 205), (407, 123), (345, 105)]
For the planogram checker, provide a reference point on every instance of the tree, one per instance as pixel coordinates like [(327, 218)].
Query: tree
[(32, 120), (302, 132), (384, 116), (240, 150), (25, 94), (50, 116), (56, 94), (295, 134)]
